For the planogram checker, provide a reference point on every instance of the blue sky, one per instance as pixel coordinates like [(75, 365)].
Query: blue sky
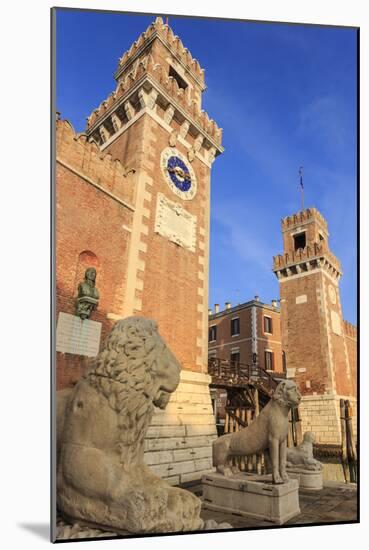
[(285, 96)]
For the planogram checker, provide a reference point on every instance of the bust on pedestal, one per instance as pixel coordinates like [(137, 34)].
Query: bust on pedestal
[(88, 295)]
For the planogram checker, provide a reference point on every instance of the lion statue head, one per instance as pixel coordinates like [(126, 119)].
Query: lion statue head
[(102, 477), (287, 394), (135, 371)]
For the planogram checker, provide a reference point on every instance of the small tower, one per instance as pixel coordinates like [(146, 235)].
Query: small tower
[(313, 330)]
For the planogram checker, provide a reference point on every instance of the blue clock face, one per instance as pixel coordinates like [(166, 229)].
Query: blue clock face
[(179, 173)]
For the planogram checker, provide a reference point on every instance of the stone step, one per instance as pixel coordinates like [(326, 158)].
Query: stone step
[(165, 444), (181, 419), (162, 457)]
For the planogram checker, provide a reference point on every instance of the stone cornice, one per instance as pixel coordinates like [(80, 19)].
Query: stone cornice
[(147, 79), (239, 307), (288, 274)]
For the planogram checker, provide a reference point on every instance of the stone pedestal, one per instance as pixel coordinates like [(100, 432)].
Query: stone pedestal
[(308, 479), (251, 495)]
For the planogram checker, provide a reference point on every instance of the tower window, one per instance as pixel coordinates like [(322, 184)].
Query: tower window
[(321, 238), (268, 325), (269, 360), (235, 326), (300, 240), (212, 333), (180, 81)]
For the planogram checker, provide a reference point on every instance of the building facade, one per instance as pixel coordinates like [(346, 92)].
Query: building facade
[(307, 338), (247, 333), (133, 201), (320, 346)]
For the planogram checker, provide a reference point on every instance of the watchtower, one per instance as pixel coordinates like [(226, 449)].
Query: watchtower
[(313, 330), (153, 123)]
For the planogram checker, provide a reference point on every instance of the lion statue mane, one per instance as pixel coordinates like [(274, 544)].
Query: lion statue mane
[(267, 433), (102, 480)]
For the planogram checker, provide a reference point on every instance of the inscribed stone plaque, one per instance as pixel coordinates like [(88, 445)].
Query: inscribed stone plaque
[(302, 299), (175, 223), (336, 324), (76, 336)]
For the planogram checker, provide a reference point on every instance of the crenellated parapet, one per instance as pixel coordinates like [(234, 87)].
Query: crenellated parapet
[(350, 330), (168, 86), (291, 222), (316, 255), (75, 152)]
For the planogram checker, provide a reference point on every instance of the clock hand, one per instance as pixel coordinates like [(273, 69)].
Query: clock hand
[(179, 172)]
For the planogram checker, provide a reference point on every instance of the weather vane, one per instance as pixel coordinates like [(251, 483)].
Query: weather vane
[(302, 186)]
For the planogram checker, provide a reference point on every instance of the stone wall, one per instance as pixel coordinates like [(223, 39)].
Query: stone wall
[(179, 440), (93, 221), (320, 414)]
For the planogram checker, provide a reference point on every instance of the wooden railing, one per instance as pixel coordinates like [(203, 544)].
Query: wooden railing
[(235, 374)]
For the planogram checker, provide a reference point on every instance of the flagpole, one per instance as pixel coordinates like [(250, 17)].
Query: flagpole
[(302, 186)]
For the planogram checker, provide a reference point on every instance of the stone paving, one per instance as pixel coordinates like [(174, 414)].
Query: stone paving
[(335, 502)]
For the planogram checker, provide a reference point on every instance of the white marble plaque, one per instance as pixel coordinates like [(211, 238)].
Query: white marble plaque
[(302, 299), (76, 336), (175, 223), (336, 323), (291, 373)]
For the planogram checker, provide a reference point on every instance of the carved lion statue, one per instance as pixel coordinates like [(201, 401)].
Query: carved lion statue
[(302, 455), (102, 480), (268, 433)]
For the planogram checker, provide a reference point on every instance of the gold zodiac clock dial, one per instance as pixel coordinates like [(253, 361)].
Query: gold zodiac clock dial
[(178, 174)]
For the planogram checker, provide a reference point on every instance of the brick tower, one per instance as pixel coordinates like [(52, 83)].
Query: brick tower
[(314, 335), (154, 128)]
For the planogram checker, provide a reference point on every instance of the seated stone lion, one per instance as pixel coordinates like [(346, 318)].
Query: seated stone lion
[(302, 455), (102, 480), (268, 433)]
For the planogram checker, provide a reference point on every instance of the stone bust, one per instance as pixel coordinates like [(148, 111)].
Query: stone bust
[(88, 295)]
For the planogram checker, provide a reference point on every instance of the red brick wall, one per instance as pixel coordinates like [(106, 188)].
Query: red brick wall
[(268, 341), (350, 332), (88, 221), (244, 341), (304, 337), (170, 280)]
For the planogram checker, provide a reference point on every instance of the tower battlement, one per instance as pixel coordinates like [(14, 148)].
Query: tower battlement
[(75, 152), (305, 246), (302, 217), (158, 75), (171, 41), (350, 330)]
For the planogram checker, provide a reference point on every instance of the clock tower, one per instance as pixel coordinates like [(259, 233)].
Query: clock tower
[(315, 338), (153, 123)]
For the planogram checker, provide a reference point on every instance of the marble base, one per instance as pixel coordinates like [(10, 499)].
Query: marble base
[(308, 479), (251, 495)]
